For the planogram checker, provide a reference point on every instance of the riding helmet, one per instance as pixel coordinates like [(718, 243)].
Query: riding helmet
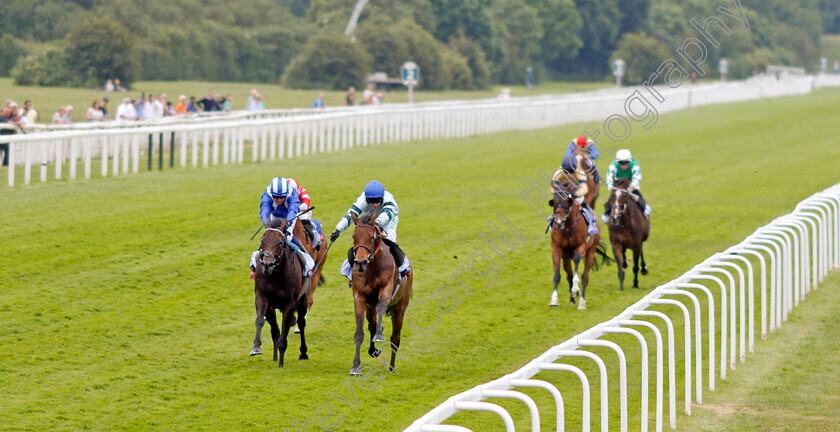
[(581, 141), (374, 189), (623, 155), (279, 187)]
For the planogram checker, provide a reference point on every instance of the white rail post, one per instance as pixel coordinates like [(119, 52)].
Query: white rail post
[(586, 422), (672, 379), (698, 339), (659, 364), (558, 398), (604, 384), (750, 297), (730, 312), (508, 394), (622, 374), (486, 406), (742, 306), (687, 351), (683, 286)]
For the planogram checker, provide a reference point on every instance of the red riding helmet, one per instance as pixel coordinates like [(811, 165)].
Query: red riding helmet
[(581, 141)]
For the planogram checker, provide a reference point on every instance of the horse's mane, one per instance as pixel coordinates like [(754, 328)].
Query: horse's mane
[(367, 218), (276, 222), (622, 182)]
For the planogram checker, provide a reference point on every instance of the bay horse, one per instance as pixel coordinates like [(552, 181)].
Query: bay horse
[(377, 289), (570, 242), (629, 229), (278, 285)]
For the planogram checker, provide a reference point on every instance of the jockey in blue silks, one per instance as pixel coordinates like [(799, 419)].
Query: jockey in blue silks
[(280, 201), (577, 144)]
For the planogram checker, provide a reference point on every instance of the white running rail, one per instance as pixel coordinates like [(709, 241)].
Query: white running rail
[(794, 253), (120, 150)]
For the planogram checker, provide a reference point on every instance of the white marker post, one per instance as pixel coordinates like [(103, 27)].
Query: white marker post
[(723, 68), (410, 77), (618, 69)]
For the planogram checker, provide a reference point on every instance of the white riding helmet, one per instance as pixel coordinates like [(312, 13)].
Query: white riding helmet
[(623, 155)]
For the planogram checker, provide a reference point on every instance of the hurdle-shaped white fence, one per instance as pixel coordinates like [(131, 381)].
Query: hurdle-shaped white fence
[(119, 151), (793, 255)]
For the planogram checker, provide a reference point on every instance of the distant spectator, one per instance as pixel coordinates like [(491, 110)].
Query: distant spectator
[(68, 114), (220, 102), (138, 107), (109, 86), (118, 86), (8, 126), (181, 108), (126, 111), (30, 114), (376, 99), (227, 104), (58, 117), (368, 94), (504, 94), (319, 102), (103, 106), (191, 106), (165, 106), (350, 99), (253, 103), (94, 113), (208, 104)]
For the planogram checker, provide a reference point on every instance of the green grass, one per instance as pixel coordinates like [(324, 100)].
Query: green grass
[(48, 99), (125, 303)]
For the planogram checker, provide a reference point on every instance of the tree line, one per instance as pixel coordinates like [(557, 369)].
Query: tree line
[(459, 44)]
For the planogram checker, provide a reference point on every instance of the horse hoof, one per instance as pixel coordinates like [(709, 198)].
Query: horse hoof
[(279, 365), (256, 351), (581, 306), (356, 371), (297, 330), (378, 338), (644, 271), (554, 302), (303, 357), (375, 352)]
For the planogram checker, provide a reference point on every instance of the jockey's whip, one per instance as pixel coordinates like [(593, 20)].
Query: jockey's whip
[(296, 216), (323, 257)]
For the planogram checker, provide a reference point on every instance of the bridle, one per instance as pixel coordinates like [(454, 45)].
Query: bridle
[(275, 257), (561, 224), (377, 243), (619, 209)]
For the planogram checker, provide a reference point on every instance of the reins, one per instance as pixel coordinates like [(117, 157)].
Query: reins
[(377, 242), (273, 254)]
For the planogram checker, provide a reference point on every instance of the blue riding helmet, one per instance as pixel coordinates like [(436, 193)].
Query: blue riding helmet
[(374, 190), (279, 187)]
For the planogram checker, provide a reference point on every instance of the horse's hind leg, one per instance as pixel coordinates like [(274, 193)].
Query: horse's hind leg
[(396, 324), (642, 255), (359, 307), (301, 325), (584, 280), (380, 312), (261, 304), (371, 319)]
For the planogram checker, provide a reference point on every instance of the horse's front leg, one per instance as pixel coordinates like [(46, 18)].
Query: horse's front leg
[(642, 257), (271, 319), (567, 267), (557, 259), (288, 322), (618, 253), (371, 320), (587, 266), (261, 304), (637, 252), (381, 306), (579, 254), (359, 306)]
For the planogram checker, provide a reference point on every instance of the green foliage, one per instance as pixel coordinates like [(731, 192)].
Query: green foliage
[(457, 70), (599, 34), (329, 61), (100, 49), (642, 54), (10, 50), (472, 53), (562, 26), (830, 12), (44, 69)]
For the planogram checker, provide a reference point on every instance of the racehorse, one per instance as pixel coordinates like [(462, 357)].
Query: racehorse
[(278, 286), (377, 289), (570, 242), (629, 228)]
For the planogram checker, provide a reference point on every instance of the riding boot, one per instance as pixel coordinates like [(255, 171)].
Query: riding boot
[(597, 176), (351, 256), (396, 251), (607, 209), (642, 204)]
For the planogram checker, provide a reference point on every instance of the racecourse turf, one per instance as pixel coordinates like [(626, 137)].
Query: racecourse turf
[(126, 305)]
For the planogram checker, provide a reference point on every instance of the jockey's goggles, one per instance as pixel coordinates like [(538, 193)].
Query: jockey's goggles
[(624, 162), (374, 200)]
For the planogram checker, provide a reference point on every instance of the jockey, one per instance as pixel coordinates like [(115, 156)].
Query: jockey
[(281, 201), (582, 143), (562, 175), (306, 218), (625, 167), (375, 197)]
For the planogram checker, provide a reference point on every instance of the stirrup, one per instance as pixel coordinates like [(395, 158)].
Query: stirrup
[(253, 274)]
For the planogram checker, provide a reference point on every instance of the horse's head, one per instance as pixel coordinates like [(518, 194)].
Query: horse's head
[(618, 199), (562, 202), (584, 162), (273, 247), (367, 240)]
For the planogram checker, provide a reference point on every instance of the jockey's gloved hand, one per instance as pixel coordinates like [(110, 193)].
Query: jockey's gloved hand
[(334, 235)]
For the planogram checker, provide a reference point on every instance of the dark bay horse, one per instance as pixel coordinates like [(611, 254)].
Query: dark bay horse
[(570, 242), (278, 286), (377, 290), (629, 229)]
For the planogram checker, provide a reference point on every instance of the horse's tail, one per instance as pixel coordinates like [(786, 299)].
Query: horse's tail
[(604, 259), (322, 280)]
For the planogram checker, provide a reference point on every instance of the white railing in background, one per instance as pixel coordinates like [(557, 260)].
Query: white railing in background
[(295, 133), (803, 247)]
